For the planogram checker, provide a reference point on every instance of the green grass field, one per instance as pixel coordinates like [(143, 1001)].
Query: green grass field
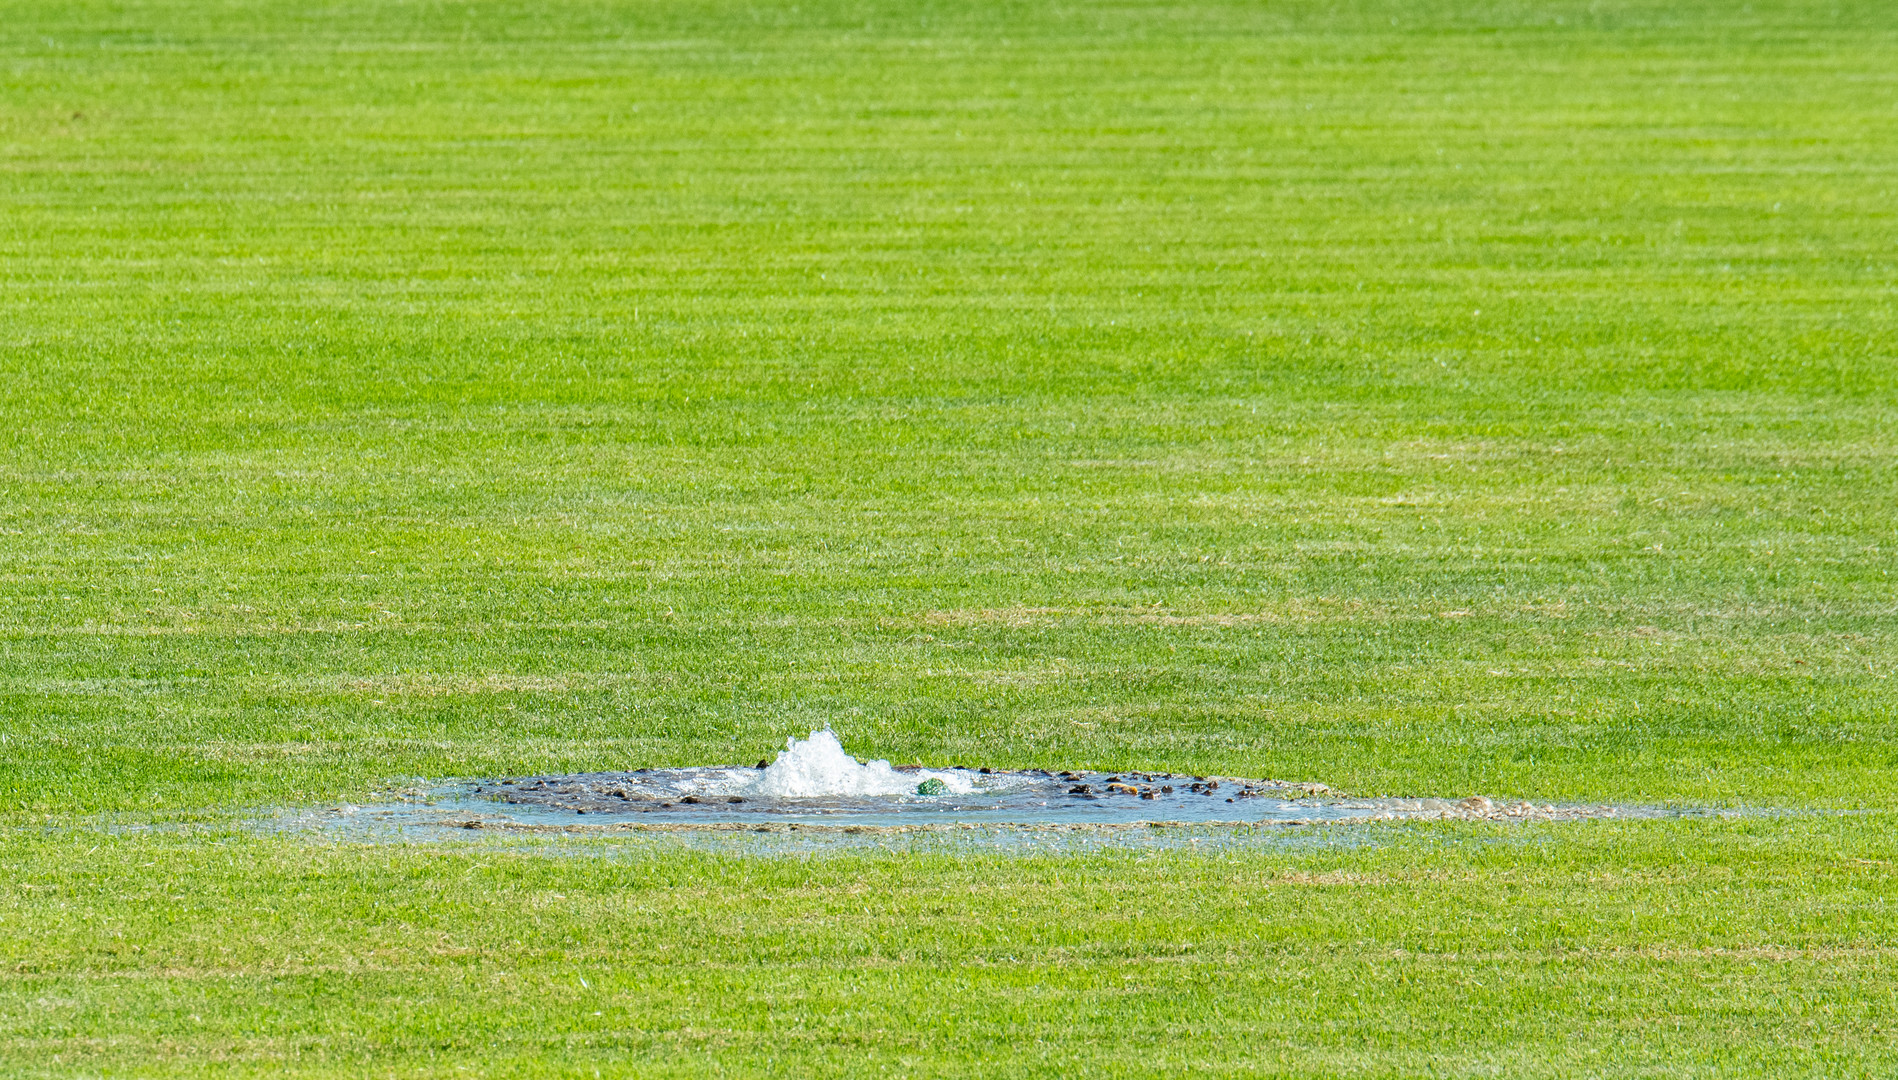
[(1425, 398)]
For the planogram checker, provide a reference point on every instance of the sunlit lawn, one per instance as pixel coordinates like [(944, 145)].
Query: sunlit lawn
[(1420, 398)]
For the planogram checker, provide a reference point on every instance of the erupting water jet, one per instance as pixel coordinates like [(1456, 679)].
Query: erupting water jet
[(818, 768)]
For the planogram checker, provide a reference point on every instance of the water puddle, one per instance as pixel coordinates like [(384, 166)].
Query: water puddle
[(815, 786)]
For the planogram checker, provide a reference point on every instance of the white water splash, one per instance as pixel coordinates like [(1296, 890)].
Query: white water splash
[(818, 767)]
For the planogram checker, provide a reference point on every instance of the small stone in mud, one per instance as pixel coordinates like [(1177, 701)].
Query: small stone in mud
[(734, 799), (1079, 789), (1477, 803), (691, 799), (1166, 789), (1147, 795)]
